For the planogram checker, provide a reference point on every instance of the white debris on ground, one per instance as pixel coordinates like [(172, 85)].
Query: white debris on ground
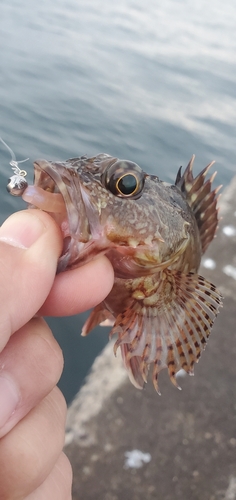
[(230, 494), (230, 271), (229, 230), (181, 373), (209, 263), (135, 459)]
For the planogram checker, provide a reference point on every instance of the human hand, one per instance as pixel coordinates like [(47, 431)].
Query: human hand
[(32, 409)]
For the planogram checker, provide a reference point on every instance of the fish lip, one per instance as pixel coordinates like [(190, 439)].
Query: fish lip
[(56, 177)]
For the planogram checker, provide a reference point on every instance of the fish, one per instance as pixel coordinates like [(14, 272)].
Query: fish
[(154, 234)]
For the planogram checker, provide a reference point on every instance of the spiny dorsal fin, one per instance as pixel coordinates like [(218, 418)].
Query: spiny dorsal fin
[(201, 199), (172, 332)]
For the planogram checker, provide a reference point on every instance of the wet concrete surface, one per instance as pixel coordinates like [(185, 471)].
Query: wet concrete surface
[(189, 435)]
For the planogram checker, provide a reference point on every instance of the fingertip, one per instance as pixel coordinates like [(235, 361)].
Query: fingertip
[(25, 228), (102, 268), (51, 227), (77, 290)]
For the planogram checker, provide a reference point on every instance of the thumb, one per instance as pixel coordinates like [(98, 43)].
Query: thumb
[(30, 245)]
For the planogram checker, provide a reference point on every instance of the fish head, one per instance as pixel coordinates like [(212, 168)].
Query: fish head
[(111, 206)]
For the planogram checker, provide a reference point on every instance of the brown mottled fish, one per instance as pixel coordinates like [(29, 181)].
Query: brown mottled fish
[(154, 234)]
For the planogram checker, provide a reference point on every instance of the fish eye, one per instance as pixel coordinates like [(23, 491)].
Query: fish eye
[(127, 184), (125, 179)]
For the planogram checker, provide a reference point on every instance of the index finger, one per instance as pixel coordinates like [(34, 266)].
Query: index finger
[(80, 289)]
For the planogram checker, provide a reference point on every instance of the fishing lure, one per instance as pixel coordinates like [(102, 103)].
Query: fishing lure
[(17, 182)]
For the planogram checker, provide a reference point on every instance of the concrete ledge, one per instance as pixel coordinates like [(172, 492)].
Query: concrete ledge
[(107, 375), (129, 444)]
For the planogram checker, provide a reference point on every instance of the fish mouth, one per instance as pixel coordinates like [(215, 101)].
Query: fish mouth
[(57, 191)]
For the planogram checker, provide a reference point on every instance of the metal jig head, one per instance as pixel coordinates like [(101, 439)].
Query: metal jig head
[(17, 182)]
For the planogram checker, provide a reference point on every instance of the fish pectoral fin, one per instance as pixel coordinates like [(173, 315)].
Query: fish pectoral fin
[(133, 366), (99, 316), (171, 332), (201, 199)]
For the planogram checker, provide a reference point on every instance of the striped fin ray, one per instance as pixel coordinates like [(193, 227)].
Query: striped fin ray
[(172, 333), (202, 200)]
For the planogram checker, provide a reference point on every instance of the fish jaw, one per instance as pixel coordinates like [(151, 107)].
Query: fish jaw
[(78, 219)]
